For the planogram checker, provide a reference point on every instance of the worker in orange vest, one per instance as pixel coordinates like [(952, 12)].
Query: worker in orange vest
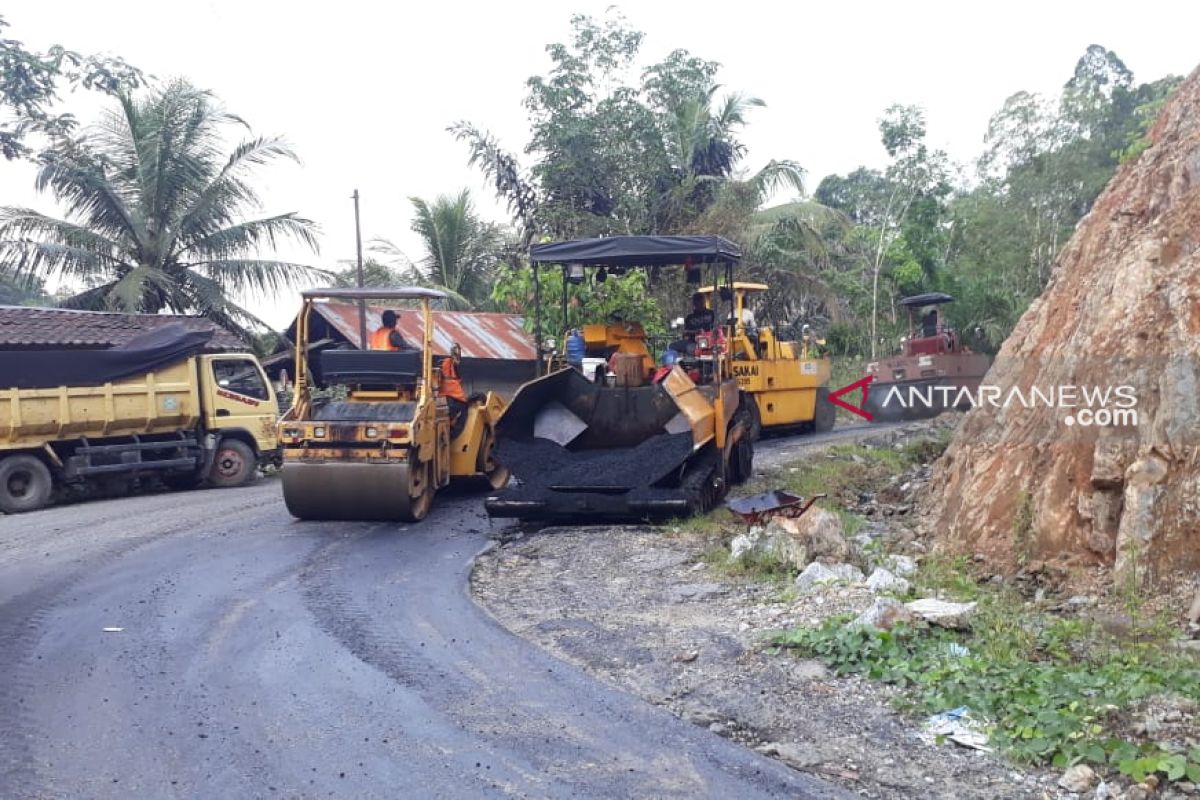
[(450, 387), (386, 337)]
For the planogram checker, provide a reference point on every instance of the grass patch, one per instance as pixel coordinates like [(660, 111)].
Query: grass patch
[(1051, 687), (758, 568), (844, 472)]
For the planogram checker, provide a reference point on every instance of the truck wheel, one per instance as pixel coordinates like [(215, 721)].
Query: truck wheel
[(25, 484), (233, 465), (824, 413)]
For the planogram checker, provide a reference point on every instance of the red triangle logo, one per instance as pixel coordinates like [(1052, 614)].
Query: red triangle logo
[(835, 397)]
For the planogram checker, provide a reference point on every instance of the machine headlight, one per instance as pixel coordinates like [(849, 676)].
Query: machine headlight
[(293, 433), (372, 432), (319, 432)]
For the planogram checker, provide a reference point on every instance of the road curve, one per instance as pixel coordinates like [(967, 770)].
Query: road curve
[(263, 657)]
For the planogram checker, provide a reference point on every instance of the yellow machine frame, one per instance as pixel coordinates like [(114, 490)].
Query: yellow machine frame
[(785, 379)]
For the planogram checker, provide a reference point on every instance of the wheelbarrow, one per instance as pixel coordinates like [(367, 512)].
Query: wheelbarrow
[(761, 507)]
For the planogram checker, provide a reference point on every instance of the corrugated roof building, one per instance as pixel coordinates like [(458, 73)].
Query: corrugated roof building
[(498, 354), (33, 328)]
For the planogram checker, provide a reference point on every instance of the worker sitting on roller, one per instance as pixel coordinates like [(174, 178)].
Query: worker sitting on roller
[(450, 387), (700, 319), (386, 337)]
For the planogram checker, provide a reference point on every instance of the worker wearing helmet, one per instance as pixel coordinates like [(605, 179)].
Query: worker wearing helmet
[(450, 387), (386, 337)]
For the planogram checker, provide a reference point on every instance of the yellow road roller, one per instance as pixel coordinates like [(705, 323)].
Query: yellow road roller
[(787, 382), (368, 435)]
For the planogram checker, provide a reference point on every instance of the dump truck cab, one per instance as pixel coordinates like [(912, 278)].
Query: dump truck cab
[(638, 449), (376, 442)]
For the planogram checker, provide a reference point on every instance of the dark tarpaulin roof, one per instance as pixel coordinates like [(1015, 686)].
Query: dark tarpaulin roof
[(638, 251), (146, 352), (927, 299)]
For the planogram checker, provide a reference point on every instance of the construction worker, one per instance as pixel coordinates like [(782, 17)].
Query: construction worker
[(450, 387), (386, 337), (699, 320)]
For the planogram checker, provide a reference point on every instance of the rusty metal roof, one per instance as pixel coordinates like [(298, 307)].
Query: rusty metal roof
[(480, 334), (29, 328)]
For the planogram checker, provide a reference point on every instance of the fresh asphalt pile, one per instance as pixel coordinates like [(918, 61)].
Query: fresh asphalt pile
[(540, 464)]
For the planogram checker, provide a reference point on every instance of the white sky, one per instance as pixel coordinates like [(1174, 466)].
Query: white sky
[(364, 91)]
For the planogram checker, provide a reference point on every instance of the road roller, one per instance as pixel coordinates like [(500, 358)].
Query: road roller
[(368, 437), (649, 444)]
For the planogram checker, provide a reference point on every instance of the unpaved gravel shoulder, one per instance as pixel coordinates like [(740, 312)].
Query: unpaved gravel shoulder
[(639, 608)]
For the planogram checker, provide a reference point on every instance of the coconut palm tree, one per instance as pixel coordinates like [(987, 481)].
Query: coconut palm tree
[(461, 250), (155, 209), (702, 146)]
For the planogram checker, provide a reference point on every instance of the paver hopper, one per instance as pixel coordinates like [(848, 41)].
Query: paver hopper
[(579, 450)]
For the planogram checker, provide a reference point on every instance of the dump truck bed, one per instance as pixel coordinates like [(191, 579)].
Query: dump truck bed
[(161, 401)]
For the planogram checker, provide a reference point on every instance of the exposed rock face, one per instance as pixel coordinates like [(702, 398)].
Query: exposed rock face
[(1122, 309)]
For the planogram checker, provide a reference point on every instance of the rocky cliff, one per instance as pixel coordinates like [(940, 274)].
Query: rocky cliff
[(1121, 310)]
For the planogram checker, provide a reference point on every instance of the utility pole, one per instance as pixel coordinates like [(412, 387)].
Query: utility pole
[(362, 304)]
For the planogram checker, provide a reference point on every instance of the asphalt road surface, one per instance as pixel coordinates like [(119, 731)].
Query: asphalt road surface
[(251, 655)]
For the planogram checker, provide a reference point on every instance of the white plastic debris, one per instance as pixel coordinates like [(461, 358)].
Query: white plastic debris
[(112, 630), (957, 725)]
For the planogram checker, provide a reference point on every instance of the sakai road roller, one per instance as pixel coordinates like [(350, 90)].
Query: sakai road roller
[(787, 382), (383, 450), (658, 444)]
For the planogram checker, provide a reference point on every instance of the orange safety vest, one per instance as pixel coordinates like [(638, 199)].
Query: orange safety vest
[(381, 339), (450, 384)]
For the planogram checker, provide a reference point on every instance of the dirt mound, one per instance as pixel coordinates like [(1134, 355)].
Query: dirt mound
[(1122, 310)]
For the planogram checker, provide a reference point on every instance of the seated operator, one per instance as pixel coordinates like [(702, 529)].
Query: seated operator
[(700, 319)]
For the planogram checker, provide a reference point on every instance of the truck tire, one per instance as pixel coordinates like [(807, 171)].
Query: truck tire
[(25, 484), (233, 465), (825, 413)]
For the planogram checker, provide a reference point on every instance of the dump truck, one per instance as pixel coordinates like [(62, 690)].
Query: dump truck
[(786, 382), (369, 436), (656, 445), (156, 405)]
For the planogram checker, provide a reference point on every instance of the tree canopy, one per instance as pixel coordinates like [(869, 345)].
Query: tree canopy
[(157, 213)]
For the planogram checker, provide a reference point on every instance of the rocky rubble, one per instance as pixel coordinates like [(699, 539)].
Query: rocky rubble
[(642, 610)]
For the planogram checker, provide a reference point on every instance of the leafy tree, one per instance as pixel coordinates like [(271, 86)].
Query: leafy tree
[(375, 274), (156, 213), (615, 155), (29, 85), (914, 174), (620, 296)]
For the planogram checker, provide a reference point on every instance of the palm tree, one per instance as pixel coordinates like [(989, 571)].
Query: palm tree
[(702, 145), (461, 250), (155, 214)]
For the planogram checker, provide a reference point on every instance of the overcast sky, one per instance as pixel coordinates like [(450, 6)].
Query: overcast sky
[(364, 91)]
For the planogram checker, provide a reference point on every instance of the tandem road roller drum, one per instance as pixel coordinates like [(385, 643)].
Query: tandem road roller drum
[(375, 490)]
